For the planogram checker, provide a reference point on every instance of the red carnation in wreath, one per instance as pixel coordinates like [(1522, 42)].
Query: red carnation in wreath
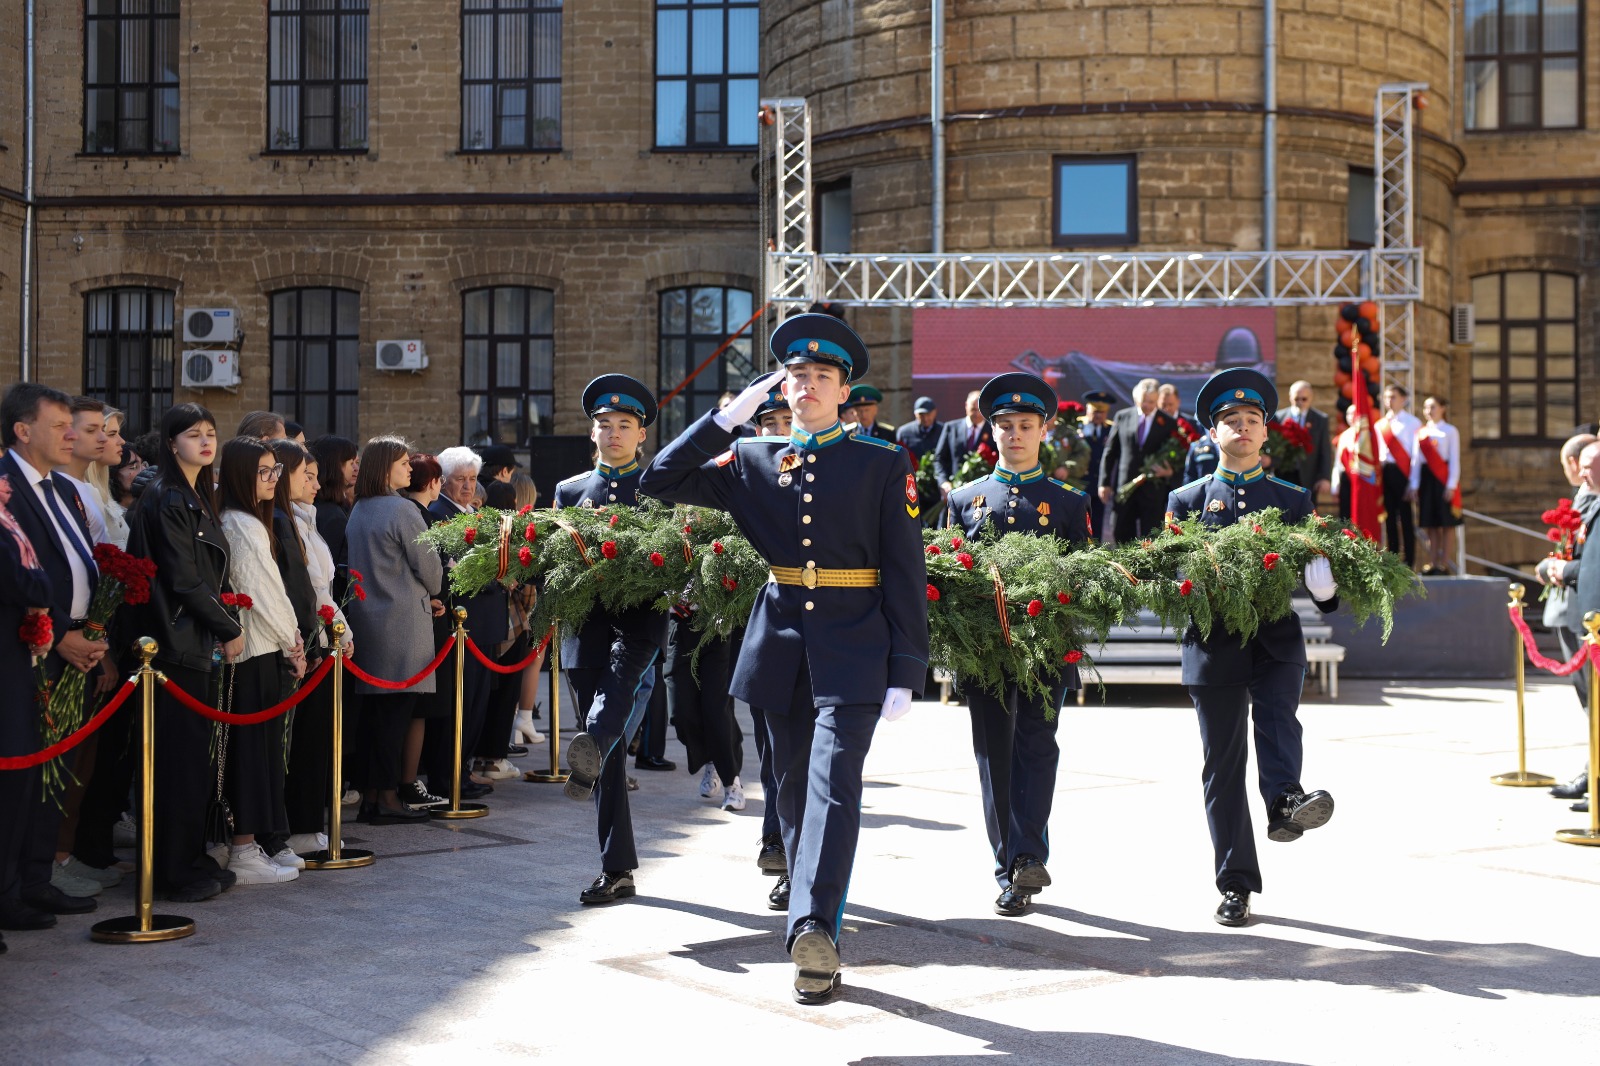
[(1034, 607), (1064, 597), (524, 509), (469, 535), (609, 549), (933, 593), (933, 549), (1186, 588), (1072, 656), (530, 534), (729, 583), (615, 519), (717, 548), (964, 559), (525, 555), (657, 559), (956, 542), (1270, 560)]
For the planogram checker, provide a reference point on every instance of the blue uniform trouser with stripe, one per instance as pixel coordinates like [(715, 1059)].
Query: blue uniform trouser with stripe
[(817, 755), (614, 713), (770, 826), (1015, 744), (1226, 711)]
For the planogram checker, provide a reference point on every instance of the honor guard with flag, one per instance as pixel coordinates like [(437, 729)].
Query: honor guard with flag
[(1014, 735), (1233, 681), (608, 659), (838, 636)]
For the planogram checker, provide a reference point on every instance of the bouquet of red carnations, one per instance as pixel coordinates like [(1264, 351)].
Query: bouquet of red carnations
[(1564, 522), (1288, 445)]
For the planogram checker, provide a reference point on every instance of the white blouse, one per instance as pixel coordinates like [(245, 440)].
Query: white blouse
[(269, 626), (1447, 442), (319, 566)]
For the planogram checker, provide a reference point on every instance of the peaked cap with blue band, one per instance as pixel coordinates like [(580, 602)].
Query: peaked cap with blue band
[(619, 392), (1015, 392), (819, 338), (775, 401), (1237, 386)]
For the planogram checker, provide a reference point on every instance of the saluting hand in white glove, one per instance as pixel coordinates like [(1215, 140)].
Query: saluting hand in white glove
[(896, 702), (744, 405), (1319, 580)]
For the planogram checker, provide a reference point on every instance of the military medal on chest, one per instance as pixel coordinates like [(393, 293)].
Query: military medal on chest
[(1215, 506), (786, 467), (1044, 514), (977, 507)]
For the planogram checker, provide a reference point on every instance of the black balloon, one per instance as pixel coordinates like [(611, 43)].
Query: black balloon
[(1350, 312)]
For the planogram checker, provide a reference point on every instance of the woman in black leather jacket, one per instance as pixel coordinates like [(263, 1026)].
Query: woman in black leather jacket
[(175, 524)]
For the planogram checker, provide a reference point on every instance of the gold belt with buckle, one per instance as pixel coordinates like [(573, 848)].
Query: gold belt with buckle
[(810, 577)]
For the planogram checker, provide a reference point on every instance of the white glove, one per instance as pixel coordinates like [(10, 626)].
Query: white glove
[(744, 405), (1319, 580), (896, 702)]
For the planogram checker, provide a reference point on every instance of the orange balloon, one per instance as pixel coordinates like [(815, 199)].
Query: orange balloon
[(1347, 390), (1370, 366), (1341, 378), (1359, 352), (1369, 311), (1349, 338)]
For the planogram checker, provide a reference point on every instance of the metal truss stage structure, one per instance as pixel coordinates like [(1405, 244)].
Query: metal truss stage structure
[(1389, 273)]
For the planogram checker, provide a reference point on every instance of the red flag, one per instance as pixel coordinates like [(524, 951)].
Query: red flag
[(1366, 488)]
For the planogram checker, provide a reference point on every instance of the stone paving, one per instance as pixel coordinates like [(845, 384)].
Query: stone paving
[(1434, 920)]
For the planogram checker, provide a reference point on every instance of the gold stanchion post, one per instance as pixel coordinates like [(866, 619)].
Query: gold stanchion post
[(458, 809), (338, 857), (145, 926), (1520, 778), (554, 776), (1591, 835)]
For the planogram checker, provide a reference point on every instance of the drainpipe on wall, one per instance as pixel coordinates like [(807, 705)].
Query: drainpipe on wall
[(25, 332), (1269, 139), (936, 77)]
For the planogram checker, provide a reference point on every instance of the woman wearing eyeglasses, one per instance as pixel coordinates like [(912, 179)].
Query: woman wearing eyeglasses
[(274, 656)]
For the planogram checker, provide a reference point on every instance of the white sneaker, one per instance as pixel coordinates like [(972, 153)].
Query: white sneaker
[(125, 834), (710, 783), (251, 865), (350, 798), (734, 800), (287, 857), (498, 770), (309, 843)]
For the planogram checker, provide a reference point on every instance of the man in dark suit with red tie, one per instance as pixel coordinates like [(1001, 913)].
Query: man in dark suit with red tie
[(961, 436), (36, 429), (1137, 433)]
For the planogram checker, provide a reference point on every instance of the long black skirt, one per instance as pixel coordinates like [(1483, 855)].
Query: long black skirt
[(257, 760)]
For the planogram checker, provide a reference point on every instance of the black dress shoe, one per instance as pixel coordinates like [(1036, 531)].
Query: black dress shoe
[(772, 861), (21, 917), (1577, 788), (471, 790), (1234, 908), (778, 898), (52, 900), (583, 767), (650, 762), (1029, 874), (194, 891), (1013, 901), (516, 751), (1581, 807), (608, 888), (816, 964), (378, 814), (1295, 812)]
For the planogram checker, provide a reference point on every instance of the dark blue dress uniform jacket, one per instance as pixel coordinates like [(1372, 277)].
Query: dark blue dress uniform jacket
[(1040, 506), (1221, 499), (850, 505), (591, 648)]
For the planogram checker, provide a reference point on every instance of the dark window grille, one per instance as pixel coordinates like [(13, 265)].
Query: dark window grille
[(317, 76), (130, 77), (316, 345), (508, 345), (1525, 357), (510, 75), (127, 353), (1523, 65), (693, 323), (707, 62)]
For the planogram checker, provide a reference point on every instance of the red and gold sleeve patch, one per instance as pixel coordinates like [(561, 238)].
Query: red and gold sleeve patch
[(725, 458)]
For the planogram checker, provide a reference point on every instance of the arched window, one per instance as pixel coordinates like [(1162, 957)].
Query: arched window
[(1524, 358), (316, 341), (693, 323), (508, 354), (127, 353)]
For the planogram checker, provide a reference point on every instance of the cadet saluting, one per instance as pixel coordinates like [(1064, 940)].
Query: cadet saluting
[(1014, 738), (1229, 680), (839, 634), (607, 660)]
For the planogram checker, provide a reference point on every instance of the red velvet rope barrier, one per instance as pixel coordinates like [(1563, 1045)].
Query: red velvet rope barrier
[(438, 660), (1559, 669), (490, 664), (78, 736), (254, 717)]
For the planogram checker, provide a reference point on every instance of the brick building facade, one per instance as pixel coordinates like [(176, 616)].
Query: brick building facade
[(420, 184)]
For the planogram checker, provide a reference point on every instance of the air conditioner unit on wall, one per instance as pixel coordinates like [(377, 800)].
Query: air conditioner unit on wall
[(1463, 324), (401, 355), (210, 325), (210, 368)]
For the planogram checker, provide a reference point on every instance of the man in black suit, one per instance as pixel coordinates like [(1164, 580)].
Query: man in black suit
[(960, 437), (1137, 433), (1097, 434), (36, 428), (1582, 585), (921, 435), (1315, 470)]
